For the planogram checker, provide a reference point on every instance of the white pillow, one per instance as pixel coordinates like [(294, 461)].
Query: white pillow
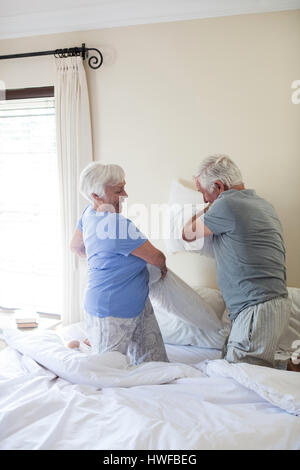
[(184, 316), (214, 298), (177, 331), (181, 196), (292, 334), (279, 387)]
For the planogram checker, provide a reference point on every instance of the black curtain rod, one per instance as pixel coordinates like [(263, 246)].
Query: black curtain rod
[(95, 61)]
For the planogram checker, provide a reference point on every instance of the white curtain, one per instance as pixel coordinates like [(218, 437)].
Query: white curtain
[(74, 148)]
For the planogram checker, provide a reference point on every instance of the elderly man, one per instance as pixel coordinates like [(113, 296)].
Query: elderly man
[(250, 260)]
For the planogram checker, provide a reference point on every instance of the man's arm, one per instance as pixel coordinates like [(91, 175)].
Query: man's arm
[(77, 244), (195, 228)]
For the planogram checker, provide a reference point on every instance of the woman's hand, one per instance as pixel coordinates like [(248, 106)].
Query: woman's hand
[(77, 244)]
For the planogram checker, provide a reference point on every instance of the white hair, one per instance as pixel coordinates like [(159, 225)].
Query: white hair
[(218, 167), (96, 176)]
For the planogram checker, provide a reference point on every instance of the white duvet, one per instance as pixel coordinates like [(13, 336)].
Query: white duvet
[(96, 370), (49, 402)]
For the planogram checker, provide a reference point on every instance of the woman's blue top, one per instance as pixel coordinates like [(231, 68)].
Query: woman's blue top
[(117, 280)]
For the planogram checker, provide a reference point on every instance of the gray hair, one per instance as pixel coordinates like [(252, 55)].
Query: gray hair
[(96, 176), (218, 167)]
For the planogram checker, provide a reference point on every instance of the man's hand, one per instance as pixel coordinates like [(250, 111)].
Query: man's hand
[(207, 207), (195, 228), (164, 271)]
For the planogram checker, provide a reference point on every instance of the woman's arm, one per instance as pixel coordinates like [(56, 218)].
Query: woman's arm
[(77, 244), (151, 255)]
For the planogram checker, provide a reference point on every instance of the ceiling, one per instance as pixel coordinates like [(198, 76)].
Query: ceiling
[(20, 18)]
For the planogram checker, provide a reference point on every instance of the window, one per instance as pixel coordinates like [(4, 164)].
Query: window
[(30, 245)]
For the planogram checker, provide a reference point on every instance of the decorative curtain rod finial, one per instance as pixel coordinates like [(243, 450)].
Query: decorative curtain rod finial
[(95, 61)]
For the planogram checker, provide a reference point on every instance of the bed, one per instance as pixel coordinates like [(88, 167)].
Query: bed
[(52, 397)]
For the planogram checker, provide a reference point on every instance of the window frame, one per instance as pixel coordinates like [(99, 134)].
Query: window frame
[(28, 93)]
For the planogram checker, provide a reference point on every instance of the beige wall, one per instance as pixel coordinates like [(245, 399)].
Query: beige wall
[(169, 94)]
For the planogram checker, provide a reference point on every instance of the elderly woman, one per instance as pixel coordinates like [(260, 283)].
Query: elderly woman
[(119, 314)]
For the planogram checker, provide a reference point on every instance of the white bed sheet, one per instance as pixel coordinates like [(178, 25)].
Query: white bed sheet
[(191, 354), (42, 411)]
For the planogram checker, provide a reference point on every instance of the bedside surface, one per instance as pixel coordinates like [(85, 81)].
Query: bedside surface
[(7, 321)]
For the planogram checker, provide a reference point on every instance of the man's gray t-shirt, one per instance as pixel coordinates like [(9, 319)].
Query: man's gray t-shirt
[(249, 249)]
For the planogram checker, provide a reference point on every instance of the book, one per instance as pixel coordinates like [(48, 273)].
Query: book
[(27, 325), (26, 320)]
